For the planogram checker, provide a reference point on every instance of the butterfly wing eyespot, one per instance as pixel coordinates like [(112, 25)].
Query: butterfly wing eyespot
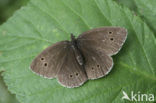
[(77, 74), (71, 75), (45, 64), (110, 32), (98, 66), (111, 39), (42, 58)]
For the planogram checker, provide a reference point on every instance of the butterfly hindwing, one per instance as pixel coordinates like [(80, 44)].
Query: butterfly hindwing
[(72, 74), (97, 64)]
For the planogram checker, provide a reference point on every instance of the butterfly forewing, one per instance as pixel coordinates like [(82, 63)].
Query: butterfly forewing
[(106, 39), (49, 62)]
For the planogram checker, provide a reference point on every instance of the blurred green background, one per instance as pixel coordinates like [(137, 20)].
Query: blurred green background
[(7, 8), (5, 96)]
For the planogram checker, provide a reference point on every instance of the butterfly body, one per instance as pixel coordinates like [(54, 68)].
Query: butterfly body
[(83, 58), (78, 55)]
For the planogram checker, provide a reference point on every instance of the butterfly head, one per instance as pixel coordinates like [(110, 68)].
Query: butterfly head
[(72, 37)]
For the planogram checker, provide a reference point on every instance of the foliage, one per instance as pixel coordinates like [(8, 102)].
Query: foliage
[(42, 23)]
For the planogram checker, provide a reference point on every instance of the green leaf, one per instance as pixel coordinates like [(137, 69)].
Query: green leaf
[(42, 23), (128, 3), (147, 9), (8, 7), (144, 8), (5, 96)]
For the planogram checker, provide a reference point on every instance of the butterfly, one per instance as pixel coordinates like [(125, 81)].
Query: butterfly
[(83, 58)]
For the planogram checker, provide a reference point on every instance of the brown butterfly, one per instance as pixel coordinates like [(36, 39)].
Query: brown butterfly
[(86, 57)]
